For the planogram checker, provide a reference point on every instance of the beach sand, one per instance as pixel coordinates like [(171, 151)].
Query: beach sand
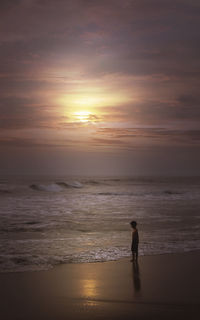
[(159, 287)]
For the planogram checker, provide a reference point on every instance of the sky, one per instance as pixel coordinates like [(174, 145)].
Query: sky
[(100, 87)]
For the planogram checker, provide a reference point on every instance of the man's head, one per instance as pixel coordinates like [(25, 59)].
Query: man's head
[(133, 224)]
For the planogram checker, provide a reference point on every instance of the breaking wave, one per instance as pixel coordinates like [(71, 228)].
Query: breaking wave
[(51, 187), (73, 184), (56, 187)]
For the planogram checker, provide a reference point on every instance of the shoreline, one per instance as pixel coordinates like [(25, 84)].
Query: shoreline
[(162, 286), (95, 262)]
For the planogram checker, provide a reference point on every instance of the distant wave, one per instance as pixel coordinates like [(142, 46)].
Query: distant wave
[(22, 229), (51, 187), (116, 194), (4, 191), (170, 192), (73, 184), (56, 187), (31, 222), (93, 182), (145, 194)]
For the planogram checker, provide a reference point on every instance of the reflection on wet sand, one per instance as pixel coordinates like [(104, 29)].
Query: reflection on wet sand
[(136, 277), (89, 288)]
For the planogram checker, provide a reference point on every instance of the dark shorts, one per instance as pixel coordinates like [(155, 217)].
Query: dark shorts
[(134, 247)]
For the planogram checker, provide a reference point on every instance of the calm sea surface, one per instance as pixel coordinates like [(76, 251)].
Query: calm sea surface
[(47, 221)]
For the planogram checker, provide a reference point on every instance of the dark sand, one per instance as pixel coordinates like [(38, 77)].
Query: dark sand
[(162, 287)]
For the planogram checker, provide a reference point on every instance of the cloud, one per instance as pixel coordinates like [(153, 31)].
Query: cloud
[(161, 111), (148, 136), (40, 143), (189, 100), (21, 113), (141, 57)]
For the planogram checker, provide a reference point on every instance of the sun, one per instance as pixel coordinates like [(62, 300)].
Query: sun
[(82, 116), (82, 109)]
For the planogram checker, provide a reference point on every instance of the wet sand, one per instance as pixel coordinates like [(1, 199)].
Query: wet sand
[(159, 287)]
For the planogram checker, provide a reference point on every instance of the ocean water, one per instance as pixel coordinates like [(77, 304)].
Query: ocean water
[(46, 221)]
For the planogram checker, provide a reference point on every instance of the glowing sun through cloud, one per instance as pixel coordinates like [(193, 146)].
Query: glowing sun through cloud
[(82, 116), (81, 108)]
